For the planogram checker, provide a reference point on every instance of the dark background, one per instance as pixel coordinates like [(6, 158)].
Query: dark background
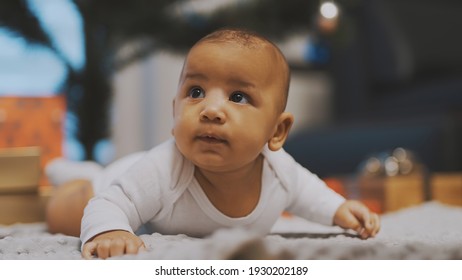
[(395, 67)]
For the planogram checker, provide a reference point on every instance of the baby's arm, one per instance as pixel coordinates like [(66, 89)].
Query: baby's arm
[(111, 244), (135, 198), (355, 215), (312, 199)]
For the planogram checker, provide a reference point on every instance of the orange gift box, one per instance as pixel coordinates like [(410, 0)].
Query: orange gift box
[(33, 121)]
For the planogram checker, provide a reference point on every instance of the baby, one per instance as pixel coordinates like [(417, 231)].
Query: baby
[(225, 166)]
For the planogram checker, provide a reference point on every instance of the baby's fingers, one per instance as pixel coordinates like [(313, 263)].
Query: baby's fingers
[(371, 226), (117, 247), (89, 250), (375, 224), (103, 248), (134, 246)]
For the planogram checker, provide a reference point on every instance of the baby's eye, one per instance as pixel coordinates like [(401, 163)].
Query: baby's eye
[(239, 97), (196, 92)]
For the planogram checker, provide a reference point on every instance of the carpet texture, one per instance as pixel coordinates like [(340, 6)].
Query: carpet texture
[(427, 231)]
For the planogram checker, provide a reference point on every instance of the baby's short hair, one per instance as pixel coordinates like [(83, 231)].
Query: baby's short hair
[(250, 39)]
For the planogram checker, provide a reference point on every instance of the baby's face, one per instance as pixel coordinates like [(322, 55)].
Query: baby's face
[(228, 104)]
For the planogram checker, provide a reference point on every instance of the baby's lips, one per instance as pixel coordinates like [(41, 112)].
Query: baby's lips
[(212, 138)]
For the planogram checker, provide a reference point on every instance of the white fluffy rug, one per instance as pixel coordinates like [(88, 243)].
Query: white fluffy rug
[(428, 231)]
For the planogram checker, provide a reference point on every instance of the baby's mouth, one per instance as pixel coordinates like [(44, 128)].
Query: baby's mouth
[(211, 139)]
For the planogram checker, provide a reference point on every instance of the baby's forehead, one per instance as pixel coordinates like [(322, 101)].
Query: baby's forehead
[(258, 49), (260, 57)]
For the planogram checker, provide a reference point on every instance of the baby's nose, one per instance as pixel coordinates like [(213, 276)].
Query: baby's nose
[(214, 110)]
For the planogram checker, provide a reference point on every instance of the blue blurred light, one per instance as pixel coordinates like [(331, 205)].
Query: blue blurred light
[(34, 70)]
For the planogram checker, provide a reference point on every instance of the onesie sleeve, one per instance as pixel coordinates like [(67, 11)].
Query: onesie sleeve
[(308, 196), (145, 191), (119, 207), (312, 199)]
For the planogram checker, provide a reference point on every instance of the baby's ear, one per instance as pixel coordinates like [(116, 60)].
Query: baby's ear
[(279, 137)]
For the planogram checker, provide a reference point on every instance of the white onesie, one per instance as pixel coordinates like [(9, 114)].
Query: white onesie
[(160, 191)]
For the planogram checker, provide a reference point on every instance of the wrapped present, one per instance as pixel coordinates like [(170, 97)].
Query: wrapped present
[(33, 121)]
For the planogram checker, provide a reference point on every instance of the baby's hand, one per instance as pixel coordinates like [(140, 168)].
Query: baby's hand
[(355, 215), (112, 243)]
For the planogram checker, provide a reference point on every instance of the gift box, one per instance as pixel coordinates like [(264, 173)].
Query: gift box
[(447, 188), (33, 122)]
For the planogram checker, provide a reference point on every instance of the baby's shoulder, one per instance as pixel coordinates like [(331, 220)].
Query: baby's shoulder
[(163, 163), (165, 156)]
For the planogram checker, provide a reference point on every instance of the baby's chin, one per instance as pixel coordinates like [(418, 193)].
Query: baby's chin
[(224, 167), (212, 167)]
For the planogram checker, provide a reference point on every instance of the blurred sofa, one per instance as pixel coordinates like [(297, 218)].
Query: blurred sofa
[(396, 68)]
